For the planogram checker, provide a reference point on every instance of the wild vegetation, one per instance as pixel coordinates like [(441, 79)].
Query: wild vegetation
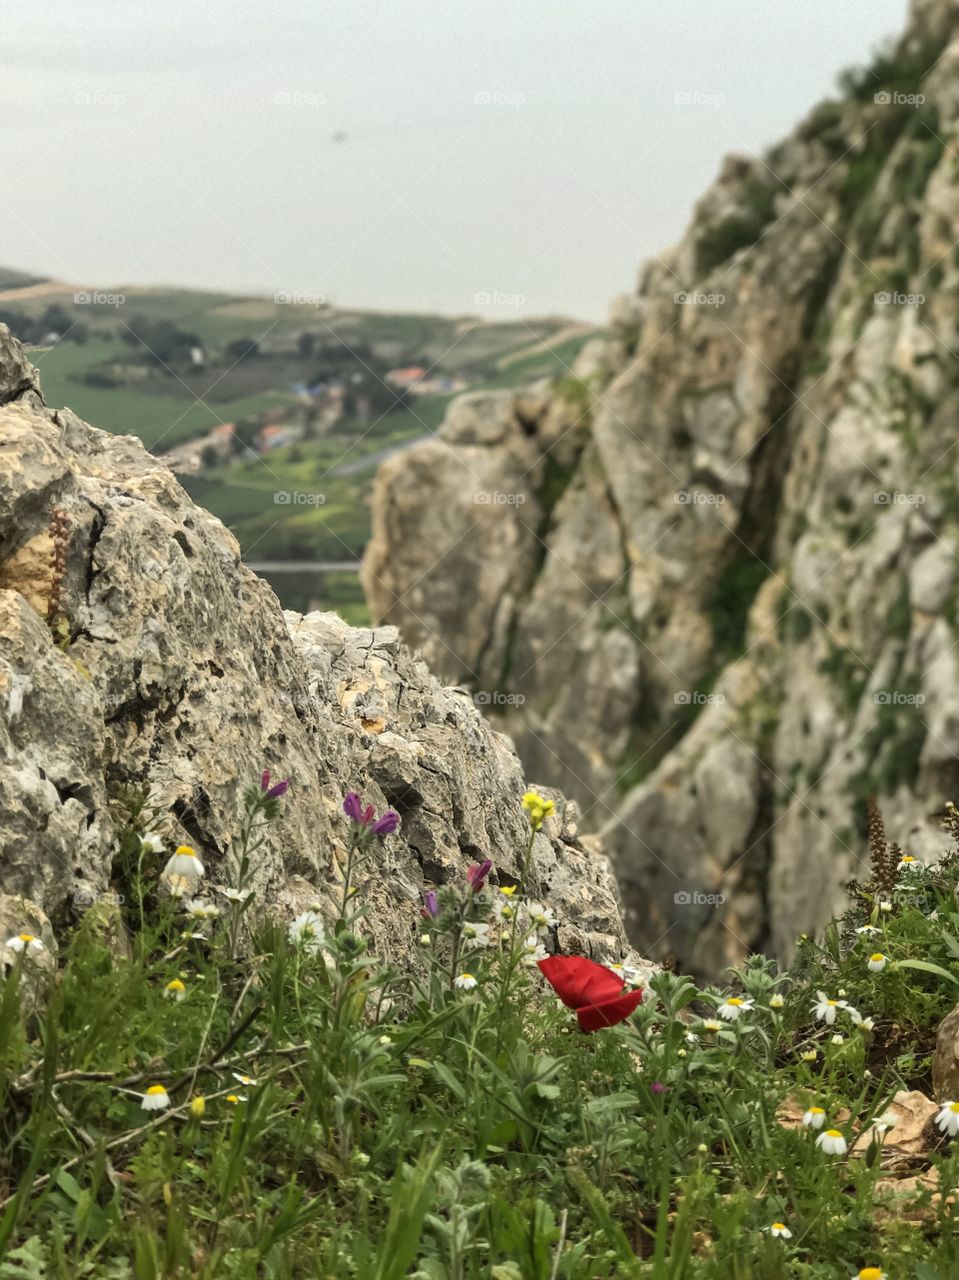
[(194, 1089)]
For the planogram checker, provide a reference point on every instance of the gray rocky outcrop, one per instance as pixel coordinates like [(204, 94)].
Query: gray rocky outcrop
[(716, 600), (163, 660)]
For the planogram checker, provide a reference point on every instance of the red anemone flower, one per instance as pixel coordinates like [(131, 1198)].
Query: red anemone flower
[(600, 998)]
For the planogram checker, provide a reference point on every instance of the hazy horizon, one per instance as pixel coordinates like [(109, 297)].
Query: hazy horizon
[(395, 159)]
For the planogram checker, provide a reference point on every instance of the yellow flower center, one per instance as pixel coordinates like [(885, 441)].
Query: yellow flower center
[(185, 851), (817, 1111), (870, 1273), (876, 957), (175, 985), (231, 1097), (779, 1226), (155, 1090), (26, 937), (832, 1002), (734, 1000), (833, 1133), (954, 1108), (467, 976)]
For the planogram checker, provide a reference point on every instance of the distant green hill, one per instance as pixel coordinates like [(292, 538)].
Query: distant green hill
[(125, 358)]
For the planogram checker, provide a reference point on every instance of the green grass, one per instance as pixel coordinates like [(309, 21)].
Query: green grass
[(397, 1125), (158, 420)]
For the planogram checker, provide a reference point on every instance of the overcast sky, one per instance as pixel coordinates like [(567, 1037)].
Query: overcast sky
[(537, 150)]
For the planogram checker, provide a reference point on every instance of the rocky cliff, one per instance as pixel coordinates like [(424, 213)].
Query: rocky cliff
[(710, 579), (136, 648)]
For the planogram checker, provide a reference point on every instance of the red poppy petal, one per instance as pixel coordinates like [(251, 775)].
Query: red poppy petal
[(579, 982), (596, 1016)]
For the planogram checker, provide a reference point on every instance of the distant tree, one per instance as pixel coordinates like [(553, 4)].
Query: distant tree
[(243, 349)]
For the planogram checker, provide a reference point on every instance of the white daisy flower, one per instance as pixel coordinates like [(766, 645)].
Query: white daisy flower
[(832, 1142), (907, 862), (814, 1117), (876, 962), (156, 1098), (465, 982), (533, 949), (948, 1118), (540, 917), (182, 869), (476, 934), (27, 942), (886, 907), (870, 1273), (151, 842), (711, 1024), (234, 1099), (837, 1039), (175, 990), (867, 930), (248, 1082), (779, 1230), (505, 905), (776, 1002), (307, 931), (200, 909), (234, 895), (733, 1007), (827, 1008), (866, 1024)]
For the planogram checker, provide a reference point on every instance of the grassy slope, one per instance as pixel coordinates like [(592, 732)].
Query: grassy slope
[(399, 1126)]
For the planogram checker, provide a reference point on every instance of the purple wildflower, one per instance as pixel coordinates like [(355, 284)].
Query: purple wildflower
[(353, 806), (386, 824), (278, 788), (477, 872), (430, 908), (658, 1087)]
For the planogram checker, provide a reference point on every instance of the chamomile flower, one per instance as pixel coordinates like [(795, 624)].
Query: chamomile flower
[(175, 990), (234, 895), (533, 950), (814, 1117), (307, 931), (827, 1008), (476, 934), (866, 1024), (465, 982), (876, 962), (779, 1231), (837, 1039), (234, 1099), (869, 1273), (776, 1002), (27, 942), (151, 842), (540, 916), (907, 863), (505, 908), (711, 1024), (248, 1082), (832, 1142), (200, 909), (867, 930), (948, 1118), (182, 870), (810, 1055), (156, 1098), (734, 1007)]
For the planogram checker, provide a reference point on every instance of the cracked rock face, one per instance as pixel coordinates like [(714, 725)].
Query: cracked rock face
[(177, 667), (730, 608)]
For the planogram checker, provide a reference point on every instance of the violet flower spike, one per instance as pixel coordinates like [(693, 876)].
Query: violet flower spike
[(265, 780), (386, 824), (430, 907), (278, 789), (477, 872), (352, 806)]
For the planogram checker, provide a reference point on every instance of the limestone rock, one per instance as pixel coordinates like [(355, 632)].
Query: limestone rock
[(945, 1061), (179, 670), (755, 482)]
